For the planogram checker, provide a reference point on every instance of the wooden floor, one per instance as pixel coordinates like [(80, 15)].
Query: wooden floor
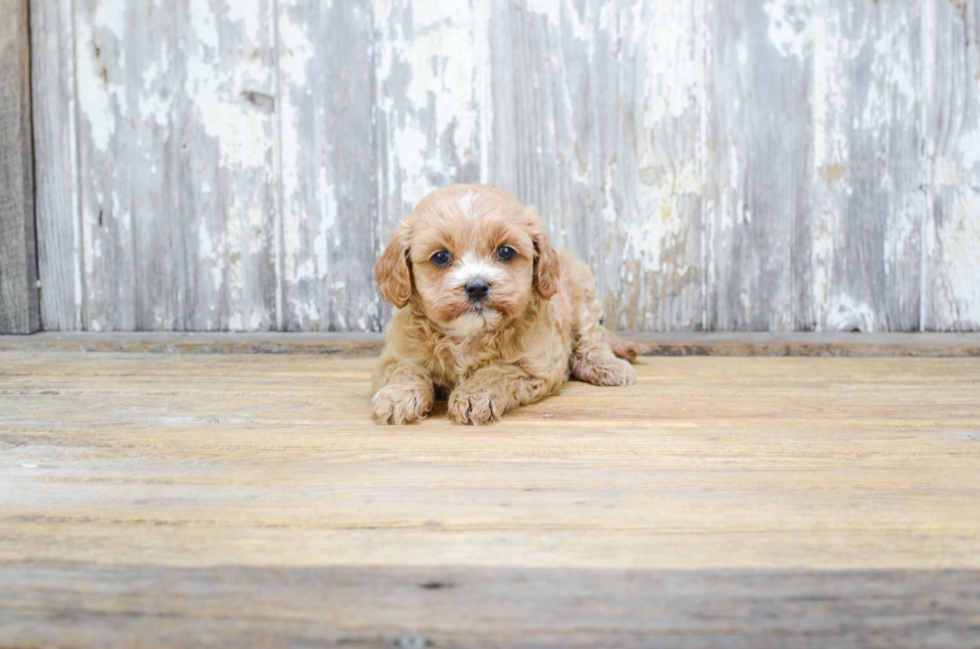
[(247, 500)]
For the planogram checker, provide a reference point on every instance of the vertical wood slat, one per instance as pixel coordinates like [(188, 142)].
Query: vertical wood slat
[(598, 124), (129, 234), (55, 164), (865, 227), (176, 181), (228, 173), (329, 165), (758, 181), (951, 138), (431, 110), (19, 310)]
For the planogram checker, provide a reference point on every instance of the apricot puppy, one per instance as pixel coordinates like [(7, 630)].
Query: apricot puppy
[(486, 312)]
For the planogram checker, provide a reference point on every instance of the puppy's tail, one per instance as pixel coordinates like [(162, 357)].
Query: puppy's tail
[(624, 349)]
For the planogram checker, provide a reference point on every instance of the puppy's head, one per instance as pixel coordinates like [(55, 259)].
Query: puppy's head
[(471, 257)]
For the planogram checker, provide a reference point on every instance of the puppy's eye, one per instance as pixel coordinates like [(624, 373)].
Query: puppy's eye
[(505, 254), (441, 258)]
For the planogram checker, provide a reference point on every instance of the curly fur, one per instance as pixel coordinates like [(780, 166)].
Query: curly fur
[(538, 326)]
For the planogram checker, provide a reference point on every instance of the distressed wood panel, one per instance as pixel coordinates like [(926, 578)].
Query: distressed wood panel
[(107, 63), (758, 178), (432, 72), (129, 233), (329, 165), (951, 134), (864, 233), (228, 169), (19, 310), (56, 171), (598, 124), (175, 166), (747, 165)]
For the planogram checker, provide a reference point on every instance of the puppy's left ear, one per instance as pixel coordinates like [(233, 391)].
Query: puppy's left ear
[(393, 273), (547, 269)]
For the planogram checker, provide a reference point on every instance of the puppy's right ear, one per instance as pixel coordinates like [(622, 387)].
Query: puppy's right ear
[(394, 276)]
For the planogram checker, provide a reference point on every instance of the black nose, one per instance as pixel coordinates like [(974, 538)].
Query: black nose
[(477, 289)]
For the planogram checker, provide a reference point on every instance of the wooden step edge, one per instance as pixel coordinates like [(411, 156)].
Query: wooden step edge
[(369, 344)]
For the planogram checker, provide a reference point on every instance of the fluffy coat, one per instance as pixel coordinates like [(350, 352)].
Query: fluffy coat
[(538, 324)]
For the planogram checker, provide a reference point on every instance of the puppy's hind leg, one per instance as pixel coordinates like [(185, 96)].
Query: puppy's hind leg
[(598, 356), (593, 361), (624, 349)]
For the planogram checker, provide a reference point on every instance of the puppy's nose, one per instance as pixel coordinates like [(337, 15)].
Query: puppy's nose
[(477, 289)]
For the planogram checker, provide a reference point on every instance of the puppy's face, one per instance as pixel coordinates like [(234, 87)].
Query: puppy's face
[(472, 257)]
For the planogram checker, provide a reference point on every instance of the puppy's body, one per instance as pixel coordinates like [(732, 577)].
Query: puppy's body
[(511, 342)]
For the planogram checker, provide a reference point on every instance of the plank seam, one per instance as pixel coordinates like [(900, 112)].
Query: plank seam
[(279, 224)]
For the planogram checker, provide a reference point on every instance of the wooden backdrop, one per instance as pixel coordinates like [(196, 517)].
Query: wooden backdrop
[(721, 164)]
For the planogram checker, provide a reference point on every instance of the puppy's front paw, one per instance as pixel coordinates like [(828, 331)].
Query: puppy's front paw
[(474, 407), (396, 404)]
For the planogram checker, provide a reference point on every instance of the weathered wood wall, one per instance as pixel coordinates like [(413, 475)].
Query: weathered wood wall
[(19, 311), (721, 164)]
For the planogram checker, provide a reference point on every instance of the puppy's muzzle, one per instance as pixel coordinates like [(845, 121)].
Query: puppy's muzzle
[(477, 289)]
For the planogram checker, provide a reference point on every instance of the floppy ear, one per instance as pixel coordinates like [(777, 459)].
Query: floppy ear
[(547, 270), (394, 276)]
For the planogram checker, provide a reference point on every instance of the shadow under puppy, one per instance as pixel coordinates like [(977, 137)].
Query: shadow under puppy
[(486, 312)]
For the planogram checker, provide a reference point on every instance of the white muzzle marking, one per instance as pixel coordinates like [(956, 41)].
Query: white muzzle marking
[(471, 267)]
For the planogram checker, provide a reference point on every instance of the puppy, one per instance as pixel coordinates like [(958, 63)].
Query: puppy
[(487, 312)]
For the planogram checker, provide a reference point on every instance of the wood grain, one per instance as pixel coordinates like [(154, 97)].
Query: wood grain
[(598, 124), (59, 238), (864, 233), (790, 165), (486, 607), (951, 141), (228, 175), (329, 166), (249, 500), (759, 163), (19, 310), (925, 345), (107, 191)]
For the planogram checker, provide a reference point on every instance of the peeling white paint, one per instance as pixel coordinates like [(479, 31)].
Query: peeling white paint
[(111, 15), (100, 97), (215, 92), (660, 223), (635, 165), (847, 314), (427, 70), (789, 22)]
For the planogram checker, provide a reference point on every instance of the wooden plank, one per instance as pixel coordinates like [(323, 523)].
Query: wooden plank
[(329, 165), (485, 607), (432, 79), (929, 345), (59, 236), (758, 170), (598, 124), (132, 258), (706, 463), (19, 310), (241, 499), (720, 165), (228, 177), (864, 261), (108, 148), (951, 139)]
